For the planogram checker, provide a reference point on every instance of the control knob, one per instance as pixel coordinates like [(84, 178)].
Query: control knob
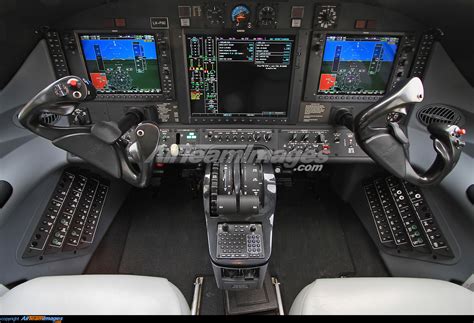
[(256, 136), (267, 136), (305, 137), (319, 138)]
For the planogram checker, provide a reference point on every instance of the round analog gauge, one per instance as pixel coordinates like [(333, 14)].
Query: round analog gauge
[(240, 15), (215, 15), (267, 16), (326, 17)]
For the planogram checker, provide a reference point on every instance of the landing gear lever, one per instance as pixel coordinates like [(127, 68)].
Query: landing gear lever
[(388, 145)]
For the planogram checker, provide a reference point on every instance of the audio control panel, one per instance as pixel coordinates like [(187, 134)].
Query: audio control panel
[(330, 142), (326, 142), (247, 136)]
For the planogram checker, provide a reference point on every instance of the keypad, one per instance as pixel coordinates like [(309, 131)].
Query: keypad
[(240, 241)]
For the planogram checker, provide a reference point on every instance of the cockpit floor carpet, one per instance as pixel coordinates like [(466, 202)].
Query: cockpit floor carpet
[(311, 240), (163, 234), (308, 240), (167, 236)]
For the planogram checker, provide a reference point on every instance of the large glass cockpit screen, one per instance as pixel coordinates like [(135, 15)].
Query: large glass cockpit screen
[(360, 65), (122, 63), (239, 76)]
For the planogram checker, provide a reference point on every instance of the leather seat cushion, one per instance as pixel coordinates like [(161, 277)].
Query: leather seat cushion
[(94, 295), (393, 296)]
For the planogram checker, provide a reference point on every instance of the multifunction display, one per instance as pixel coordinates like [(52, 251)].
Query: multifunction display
[(357, 64), (239, 76), (122, 63)]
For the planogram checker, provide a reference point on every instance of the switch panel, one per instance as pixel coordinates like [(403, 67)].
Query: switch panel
[(57, 55), (403, 218), (72, 215)]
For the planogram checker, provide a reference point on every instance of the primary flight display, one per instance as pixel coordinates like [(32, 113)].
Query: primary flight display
[(355, 64), (122, 63)]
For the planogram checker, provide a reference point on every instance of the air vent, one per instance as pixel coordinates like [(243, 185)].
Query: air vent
[(49, 118), (439, 113)]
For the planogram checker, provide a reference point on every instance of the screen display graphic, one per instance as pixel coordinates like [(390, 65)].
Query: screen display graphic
[(232, 76), (122, 63), (357, 64)]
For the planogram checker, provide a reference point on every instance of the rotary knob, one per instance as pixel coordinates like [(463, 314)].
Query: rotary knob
[(225, 227), (267, 136), (256, 137)]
